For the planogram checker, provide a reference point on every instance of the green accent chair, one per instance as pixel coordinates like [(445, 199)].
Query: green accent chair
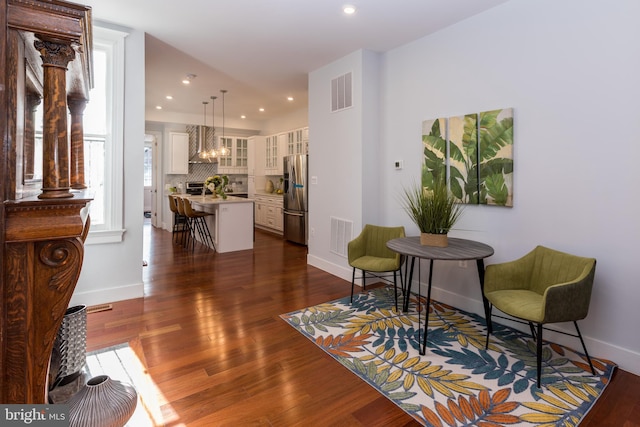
[(544, 286), (369, 253)]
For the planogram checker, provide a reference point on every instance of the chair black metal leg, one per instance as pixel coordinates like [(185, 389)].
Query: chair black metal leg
[(539, 352), (175, 227), (533, 331), (184, 238), (395, 290), (584, 347), (489, 325), (353, 280), (364, 280), (207, 238), (199, 228)]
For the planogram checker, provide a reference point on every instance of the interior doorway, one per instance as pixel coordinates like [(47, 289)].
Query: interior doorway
[(150, 179)]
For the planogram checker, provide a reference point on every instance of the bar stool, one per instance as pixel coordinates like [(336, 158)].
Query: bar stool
[(199, 223), (179, 221), (185, 240)]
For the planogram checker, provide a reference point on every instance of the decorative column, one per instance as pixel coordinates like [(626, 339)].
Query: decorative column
[(55, 157), (33, 100), (76, 107)]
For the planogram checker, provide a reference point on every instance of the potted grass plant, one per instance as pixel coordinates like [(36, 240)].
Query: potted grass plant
[(434, 211)]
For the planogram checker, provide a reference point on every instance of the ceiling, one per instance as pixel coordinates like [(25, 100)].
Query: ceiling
[(262, 50)]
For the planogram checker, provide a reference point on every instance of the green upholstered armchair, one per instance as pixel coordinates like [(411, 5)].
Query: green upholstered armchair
[(368, 252), (544, 286)]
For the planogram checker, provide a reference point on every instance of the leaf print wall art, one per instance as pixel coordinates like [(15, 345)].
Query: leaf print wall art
[(474, 152)]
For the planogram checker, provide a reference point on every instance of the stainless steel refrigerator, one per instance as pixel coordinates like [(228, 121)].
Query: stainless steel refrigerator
[(295, 198)]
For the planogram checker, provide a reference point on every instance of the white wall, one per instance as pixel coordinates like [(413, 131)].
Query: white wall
[(113, 272), (570, 71), (335, 159)]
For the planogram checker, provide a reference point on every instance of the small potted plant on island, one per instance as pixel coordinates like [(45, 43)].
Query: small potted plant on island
[(434, 211)]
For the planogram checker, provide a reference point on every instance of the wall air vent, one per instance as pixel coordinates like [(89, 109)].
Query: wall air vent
[(341, 93), (341, 235)]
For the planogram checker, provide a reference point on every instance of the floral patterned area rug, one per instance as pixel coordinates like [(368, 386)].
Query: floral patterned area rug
[(457, 382)]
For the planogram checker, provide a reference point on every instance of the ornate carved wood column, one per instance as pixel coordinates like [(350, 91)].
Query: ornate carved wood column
[(76, 107), (41, 236), (55, 140)]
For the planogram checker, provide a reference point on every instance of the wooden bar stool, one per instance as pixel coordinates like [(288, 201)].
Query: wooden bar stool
[(179, 221), (198, 222), (185, 239)]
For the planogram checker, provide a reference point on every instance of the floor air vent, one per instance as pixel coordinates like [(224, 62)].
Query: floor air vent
[(101, 307), (341, 235)]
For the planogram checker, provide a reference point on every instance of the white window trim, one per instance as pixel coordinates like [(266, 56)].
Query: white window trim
[(113, 229)]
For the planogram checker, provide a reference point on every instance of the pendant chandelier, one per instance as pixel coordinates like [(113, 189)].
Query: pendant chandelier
[(223, 150), (202, 142), (213, 153)]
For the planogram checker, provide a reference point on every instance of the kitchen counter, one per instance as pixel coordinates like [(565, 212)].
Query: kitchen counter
[(231, 222), (210, 200)]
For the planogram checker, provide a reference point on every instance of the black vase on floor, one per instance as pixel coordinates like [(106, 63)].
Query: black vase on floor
[(102, 402)]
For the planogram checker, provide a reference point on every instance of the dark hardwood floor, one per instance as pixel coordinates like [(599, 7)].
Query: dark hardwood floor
[(209, 332)]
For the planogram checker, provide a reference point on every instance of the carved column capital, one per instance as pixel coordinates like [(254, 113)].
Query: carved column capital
[(76, 105), (33, 100), (54, 54)]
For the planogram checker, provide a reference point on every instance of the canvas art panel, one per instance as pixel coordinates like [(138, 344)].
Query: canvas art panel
[(496, 157), (463, 158), (434, 147)]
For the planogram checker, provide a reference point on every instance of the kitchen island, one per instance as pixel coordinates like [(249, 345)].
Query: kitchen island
[(231, 224)]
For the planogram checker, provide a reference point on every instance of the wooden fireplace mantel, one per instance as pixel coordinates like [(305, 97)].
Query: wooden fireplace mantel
[(45, 55)]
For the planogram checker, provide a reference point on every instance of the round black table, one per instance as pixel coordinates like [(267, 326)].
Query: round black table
[(458, 250)]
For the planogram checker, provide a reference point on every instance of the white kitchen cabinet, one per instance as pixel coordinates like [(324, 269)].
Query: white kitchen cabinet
[(178, 153), (269, 213), (275, 149), (297, 141), (235, 162), (255, 155)]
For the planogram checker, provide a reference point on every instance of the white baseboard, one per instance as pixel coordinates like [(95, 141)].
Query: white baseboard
[(107, 295), (336, 270)]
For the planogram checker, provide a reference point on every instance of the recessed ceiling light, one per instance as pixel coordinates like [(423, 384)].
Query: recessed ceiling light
[(169, 97), (188, 78), (261, 110), (349, 9), (158, 107), (243, 116), (289, 98)]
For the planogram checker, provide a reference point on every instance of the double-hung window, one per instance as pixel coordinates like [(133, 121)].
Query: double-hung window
[(103, 137)]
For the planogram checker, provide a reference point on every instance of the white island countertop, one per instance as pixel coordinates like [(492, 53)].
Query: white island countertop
[(230, 223), (208, 199)]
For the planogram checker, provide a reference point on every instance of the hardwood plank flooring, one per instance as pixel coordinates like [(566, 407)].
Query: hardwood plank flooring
[(209, 333)]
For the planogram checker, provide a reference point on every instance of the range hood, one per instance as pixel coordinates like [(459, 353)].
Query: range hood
[(201, 144)]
